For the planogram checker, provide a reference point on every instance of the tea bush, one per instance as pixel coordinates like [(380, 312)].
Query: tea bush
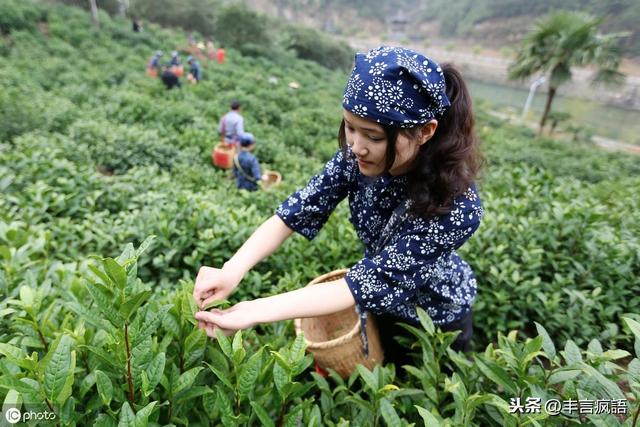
[(96, 319)]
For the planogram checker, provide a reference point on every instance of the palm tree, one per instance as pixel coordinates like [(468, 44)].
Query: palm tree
[(562, 41)]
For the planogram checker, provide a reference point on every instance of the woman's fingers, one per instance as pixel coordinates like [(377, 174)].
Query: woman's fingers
[(207, 316)]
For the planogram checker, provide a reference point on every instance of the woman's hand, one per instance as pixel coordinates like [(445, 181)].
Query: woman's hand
[(241, 316), (214, 284)]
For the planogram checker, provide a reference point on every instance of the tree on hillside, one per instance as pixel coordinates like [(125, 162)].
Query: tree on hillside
[(562, 41), (94, 12)]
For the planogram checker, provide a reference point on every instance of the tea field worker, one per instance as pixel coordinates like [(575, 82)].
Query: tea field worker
[(194, 69), (137, 25), (246, 168), (175, 59), (406, 163), (169, 78), (220, 55), (154, 62), (232, 124), (211, 51)]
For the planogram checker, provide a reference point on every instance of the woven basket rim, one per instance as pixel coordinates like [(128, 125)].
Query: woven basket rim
[(323, 345), (275, 174)]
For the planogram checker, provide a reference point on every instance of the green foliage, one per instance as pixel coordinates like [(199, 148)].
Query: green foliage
[(242, 28), (565, 40), (18, 15), (495, 19), (309, 44), (562, 41), (96, 320)]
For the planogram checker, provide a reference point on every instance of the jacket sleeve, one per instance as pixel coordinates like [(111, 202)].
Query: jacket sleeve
[(415, 257), (308, 209), (255, 170)]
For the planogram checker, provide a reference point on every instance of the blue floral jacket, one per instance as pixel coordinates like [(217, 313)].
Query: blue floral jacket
[(416, 265)]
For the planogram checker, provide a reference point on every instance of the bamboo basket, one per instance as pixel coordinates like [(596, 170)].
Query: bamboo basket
[(272, 178), (334, 339)]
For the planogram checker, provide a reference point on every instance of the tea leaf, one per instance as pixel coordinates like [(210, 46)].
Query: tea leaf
[(547, 342), (224, 303), (186, 380), (563, 375), (249, 375), (152, 321), (142, 417), (144, 245), (609, 387), (16, 355), (87, 382), (104, 300), (100, 274), (262, 414), (425, 321), (572, 353), (615, 354), (133, 303), (298, 349), (389, 413), (60, 363), (634, 326), (498, 375), (116, 272), (127, 417), (281, 379), (238, 349), (105, 387), (221, 376), (26, 296), (190, 394), (427, 417), (634, 375), (367, 376), (223, 403), (155, 370), (294, 417), (224, 344), (194, 346)]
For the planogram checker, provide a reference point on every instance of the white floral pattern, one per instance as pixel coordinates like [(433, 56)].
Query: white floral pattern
[(398, 86), (417, 266)]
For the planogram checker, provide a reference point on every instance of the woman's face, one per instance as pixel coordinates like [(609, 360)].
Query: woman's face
[(368, 143)]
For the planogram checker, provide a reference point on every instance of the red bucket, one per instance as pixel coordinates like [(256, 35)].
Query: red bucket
[(222, 155), (178, 70)]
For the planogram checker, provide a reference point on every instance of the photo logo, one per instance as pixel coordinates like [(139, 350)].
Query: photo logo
[(13, 415)]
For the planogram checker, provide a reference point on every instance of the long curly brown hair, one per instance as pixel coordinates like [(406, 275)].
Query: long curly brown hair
[(447, 165)]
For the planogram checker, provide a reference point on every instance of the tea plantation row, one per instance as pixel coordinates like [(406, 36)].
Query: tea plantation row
[(95, 157)]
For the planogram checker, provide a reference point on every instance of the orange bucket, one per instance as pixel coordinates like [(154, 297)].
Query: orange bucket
[(178, 70), (222, 155), (152, 72)]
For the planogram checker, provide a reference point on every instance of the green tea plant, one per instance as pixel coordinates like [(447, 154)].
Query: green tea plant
[(98, 332)]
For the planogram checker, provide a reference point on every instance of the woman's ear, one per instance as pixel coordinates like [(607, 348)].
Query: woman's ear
[(427, 131)]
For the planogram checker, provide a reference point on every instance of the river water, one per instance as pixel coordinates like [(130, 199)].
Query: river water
[(602, 120)]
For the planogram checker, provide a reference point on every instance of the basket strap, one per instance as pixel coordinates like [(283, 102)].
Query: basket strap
[(400, 213), (236, 162)]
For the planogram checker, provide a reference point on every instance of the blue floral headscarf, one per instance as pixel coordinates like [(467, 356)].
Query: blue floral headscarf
[(397, 87)]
